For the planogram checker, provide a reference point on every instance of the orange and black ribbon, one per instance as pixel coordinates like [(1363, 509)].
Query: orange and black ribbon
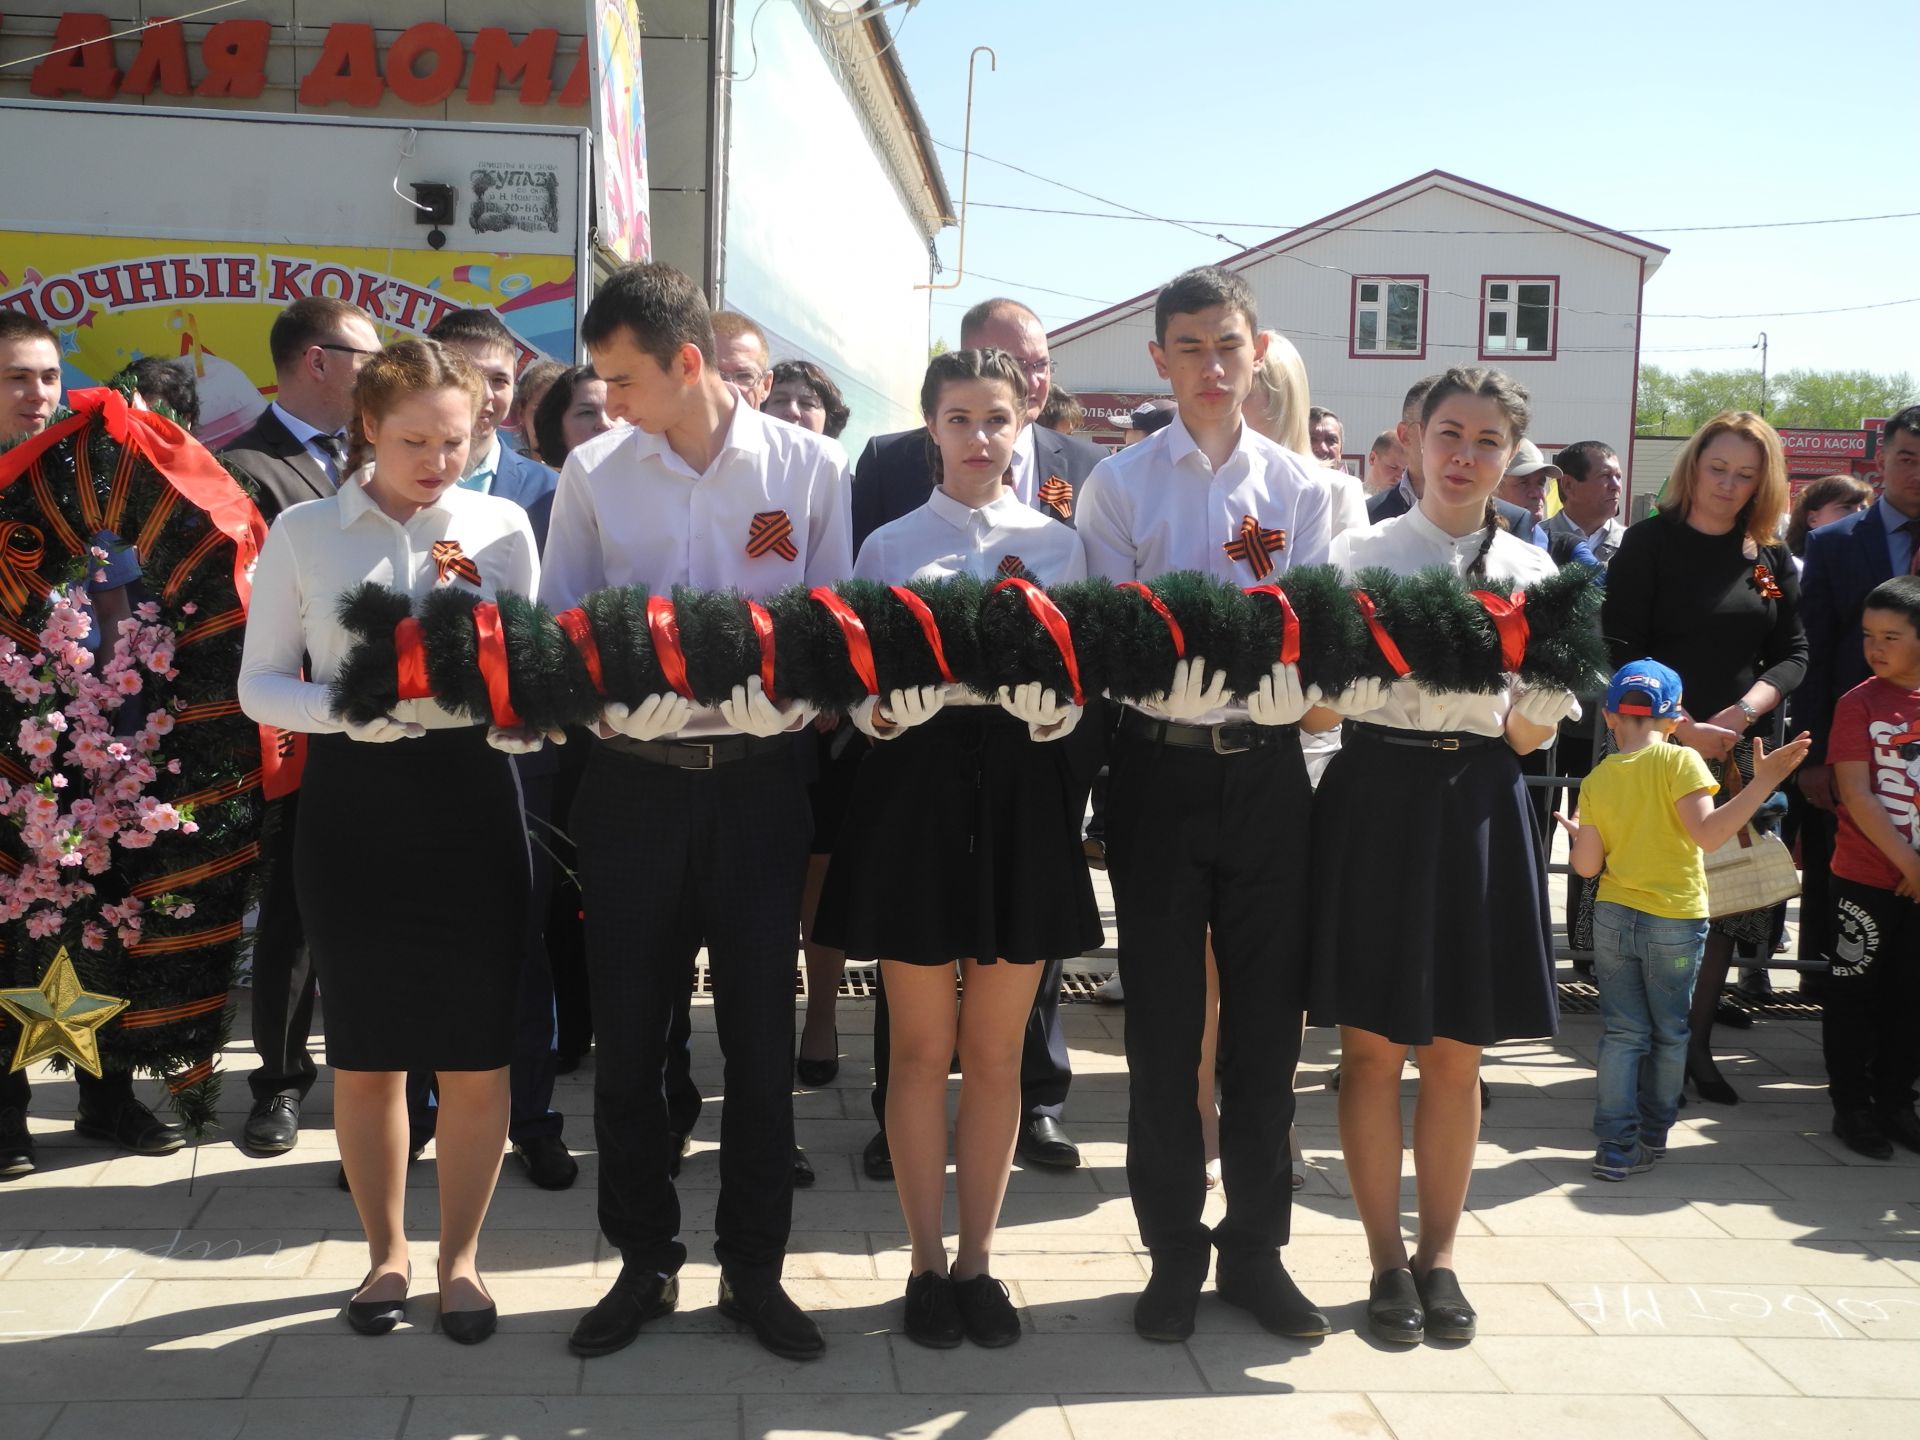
[(1174, 632), (1289, 622), (1380, 636), (410, 661), (450, 559), (1055, 624), (171, 1014), (1009, 565), (929, 627), (664, 626), (1057, 495), (859, 646), (1764, 582), (763, 632), (1256, 546), (771, 530), (491, 648), (1509, 618), (579, 633), (22, 548)]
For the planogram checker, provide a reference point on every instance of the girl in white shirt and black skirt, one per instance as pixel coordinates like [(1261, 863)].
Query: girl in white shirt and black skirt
[(1455, 956), (410, 859), (962, 844)]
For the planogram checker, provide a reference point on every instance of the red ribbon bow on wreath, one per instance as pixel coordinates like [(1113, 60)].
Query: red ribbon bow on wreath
[(1057, 495), (450, 559), (771, 530), (1256, 546)]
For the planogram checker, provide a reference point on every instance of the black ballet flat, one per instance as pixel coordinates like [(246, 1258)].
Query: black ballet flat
[(1395, 1314), (468, 1327), (1449, 1316), (1709, 1084), (815, 1073), (376, 1317), (1732, 1016)]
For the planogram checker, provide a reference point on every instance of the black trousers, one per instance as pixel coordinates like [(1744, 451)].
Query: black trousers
[(565, 933), (1870, 1024), (281, 1001), (102, 1096), (1816, 835), (670, 860), (1195, 841)]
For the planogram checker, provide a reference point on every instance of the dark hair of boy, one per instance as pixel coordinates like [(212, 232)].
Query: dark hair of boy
[(1900, 595), (1416, 399), (1578, 460), (167, 385), (1063, 411), (17, 325), (660, 307), (473, 327), (1202, 289), (306, 322), (1907, 421)]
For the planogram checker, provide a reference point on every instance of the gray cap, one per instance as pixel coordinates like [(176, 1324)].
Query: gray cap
[(1527, 460)]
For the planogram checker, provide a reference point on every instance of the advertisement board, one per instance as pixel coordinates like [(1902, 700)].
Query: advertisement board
[(623, 224)]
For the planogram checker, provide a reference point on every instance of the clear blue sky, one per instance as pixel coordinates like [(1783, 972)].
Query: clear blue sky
[(1631, 114)]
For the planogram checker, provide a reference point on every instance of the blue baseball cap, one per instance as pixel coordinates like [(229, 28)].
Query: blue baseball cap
[(1657, 682)]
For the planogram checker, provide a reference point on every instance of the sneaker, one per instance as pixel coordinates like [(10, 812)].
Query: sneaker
[(132, 1127), (1110, 991), (16, 1144), (933, 1316), (1617, 1162), (986, 1311)]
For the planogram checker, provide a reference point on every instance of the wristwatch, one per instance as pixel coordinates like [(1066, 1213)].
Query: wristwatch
[(1748, 711)]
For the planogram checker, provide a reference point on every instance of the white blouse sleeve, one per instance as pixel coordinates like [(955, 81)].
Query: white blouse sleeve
[(271, 688)]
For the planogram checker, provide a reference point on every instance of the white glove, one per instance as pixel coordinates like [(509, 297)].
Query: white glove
[(1546, 707), (1190, 695), (1281, 699), (750, 711), (654, 717), (902, 711), (1364, 695), (1048, 717), (383, 728), (523, 740)]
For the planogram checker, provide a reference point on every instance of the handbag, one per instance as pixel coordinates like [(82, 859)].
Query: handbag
[(1752, 871)]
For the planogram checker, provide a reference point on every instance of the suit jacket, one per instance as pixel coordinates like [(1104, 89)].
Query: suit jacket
[(1603, 549), (529, 484), (894, 476), (1844, 561), (1389, 503), (279, 467)]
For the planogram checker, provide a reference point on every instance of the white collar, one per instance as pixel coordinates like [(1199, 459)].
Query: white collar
[(355, 501), (1023, 444), (1181, 444), (1004, 509), (296, 427), (746, 432), (1423, 527)]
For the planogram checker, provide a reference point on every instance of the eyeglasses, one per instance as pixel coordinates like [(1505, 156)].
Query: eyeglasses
[(1035, 367), (745, 379), (344, 349)]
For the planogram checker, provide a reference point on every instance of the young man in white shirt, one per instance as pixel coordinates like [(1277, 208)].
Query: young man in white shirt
[(692, 823), (1207, 822)]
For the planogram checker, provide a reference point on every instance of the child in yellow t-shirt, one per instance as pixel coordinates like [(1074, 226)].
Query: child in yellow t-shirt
[(1646, 814)]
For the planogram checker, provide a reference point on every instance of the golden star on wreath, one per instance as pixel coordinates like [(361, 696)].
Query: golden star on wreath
[(59, 1017)]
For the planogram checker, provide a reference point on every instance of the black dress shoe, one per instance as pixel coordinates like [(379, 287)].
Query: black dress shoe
[(272, 1125), (1725, 1012), (1043, 1142), (16, 1143), (1449, 1316), (803, 1176), (1165, 1308), (877, 1159), (615, 1322), (1260, 1285), (467, 1327), (986, 1311), (777, 1323), (376, 1317), (815, 1073), (549, 1165), (681, 1145), (1901, 1125), (1860, 1132), (132, 1127), (1394, 1311), (1707, 1081), (933, 1316)]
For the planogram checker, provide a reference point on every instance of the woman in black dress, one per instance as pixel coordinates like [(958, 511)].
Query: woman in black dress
[(410, 859), (1701, 585)]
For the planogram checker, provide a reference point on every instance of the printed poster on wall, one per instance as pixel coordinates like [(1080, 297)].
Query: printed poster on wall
[(113, 300), (620, 132)]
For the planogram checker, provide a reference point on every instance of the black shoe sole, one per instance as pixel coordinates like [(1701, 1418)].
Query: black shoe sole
[(936, 1342), (1395, 1337), (469, 1327), (1313, 1330), (14, 1169), (375, 1317), (1047, 1162), (610, 1347), (1446, 1332), (1174, 1336), (785, 1352)]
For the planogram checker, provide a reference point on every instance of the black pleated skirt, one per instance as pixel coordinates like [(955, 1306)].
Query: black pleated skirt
[(411, 870), (962, 840), (830, 762), (1430, 913)]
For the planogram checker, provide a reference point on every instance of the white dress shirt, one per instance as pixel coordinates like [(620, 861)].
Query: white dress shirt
[(1021, 470), (946, 537), (1349, 501), (628, 511), (305, 433), (318, 550), (1408, 544), (1159, 506)]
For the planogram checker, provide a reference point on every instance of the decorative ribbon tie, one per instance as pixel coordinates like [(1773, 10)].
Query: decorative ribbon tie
[(1174, 632), (450, 559), (664, 626), (1764, 582), (579, 632), (1055, 624), (771, 530), (410, 661), (929, 627), (1010, 565), (491, 647), (1256, 546), (1289, 622), (763, 632), (1509, 618), (22, 548), (859, 646), (1057, 495), (1380, 637)]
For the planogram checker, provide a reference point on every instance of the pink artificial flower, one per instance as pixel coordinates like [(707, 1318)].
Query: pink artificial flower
[(93, 937)]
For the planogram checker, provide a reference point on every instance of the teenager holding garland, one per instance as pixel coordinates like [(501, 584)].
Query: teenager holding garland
[(962, 842), (1460, 960), (410, 861)]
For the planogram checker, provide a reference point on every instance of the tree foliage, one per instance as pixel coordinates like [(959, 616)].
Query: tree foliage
[(1675, 403)]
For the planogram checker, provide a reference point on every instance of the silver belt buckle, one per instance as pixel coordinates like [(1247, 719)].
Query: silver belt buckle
[(696, 745), (1220, 749), (1446, 742)]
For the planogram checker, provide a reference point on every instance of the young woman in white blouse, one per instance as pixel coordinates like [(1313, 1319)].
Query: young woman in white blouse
[(962, 844), (410, 859), (1455, 957)]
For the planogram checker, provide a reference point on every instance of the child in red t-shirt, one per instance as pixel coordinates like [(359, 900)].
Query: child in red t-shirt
[(1871, 1029)]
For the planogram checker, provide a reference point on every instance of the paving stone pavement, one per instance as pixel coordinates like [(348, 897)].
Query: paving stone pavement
[(1760, 1281)]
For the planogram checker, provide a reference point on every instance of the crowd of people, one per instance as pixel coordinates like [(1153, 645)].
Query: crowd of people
[(481, 904)]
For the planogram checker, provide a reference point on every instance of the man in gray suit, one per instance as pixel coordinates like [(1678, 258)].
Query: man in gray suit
[(1590, 498)]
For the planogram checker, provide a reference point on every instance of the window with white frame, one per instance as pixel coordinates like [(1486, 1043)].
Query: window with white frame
[(1388, 315), (1517, 316)]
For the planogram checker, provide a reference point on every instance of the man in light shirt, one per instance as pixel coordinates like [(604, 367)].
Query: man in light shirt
[(1590, 497)]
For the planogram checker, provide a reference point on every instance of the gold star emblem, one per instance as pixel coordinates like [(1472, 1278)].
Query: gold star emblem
[(58, 1017)]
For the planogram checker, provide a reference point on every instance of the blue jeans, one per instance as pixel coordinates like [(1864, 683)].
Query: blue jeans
[(1644, 966)]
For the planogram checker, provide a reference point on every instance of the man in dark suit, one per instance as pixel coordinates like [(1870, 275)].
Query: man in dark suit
[(894, 476), (1844, 561), (296, 451)]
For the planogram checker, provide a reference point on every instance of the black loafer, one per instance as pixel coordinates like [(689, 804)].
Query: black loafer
[(803, 1176), (877, 1160), (777, 1323), (1044, 1142), (376, 1317), (1394, 1312), (272, 1125), (615, 1322), (1860, 1132), (1449, 1316), (1166, 1307), (548, 1163), (1901, 1124), (933, 1316), (1260, 1285), (132, 1127), (986, 1312), (467, 1327), (815, 1073), (16, 1143)]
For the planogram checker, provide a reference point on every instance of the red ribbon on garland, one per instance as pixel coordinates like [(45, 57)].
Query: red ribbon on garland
[(763, 632), (1055, 624), (929, 627), (664, 626), (1509, 617), (1289, 622), (1174, 632), (859, 647), (1380, 636), (492, 650), (579, 632), (410, 661)]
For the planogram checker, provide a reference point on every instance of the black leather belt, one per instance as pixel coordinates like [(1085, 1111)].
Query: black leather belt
[(1233, 739), (697, 754), (1416, 739)]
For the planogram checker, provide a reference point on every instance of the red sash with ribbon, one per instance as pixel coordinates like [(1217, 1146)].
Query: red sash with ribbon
[(664, 626), (1054, 623), (929, 627), (859, 646), (1380, 636), (1509, 616), (1174, 632), (1289, 622)]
